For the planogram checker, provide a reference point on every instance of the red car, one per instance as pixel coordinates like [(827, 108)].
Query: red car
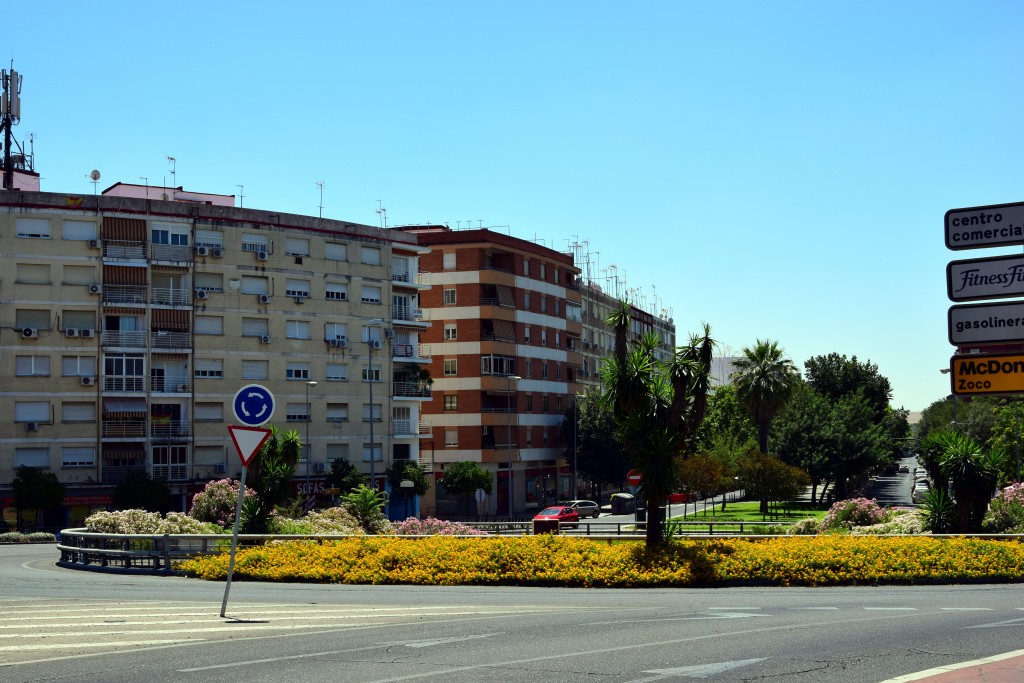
[(558, 513)]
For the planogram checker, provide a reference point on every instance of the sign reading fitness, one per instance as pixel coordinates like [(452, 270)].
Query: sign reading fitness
[(997, 277), (986, 324), (976, 375), (985, 226)]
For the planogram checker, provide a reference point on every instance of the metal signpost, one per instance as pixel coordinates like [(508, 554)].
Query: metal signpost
[(253, 406)]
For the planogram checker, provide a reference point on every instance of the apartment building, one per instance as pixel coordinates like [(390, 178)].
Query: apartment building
[(129, 320), (505, 340)]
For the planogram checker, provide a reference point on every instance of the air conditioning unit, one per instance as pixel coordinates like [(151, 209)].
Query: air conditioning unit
[(87, 381), (182, 388), (265, 339), (220, 468), (202, 251), (389, 333), (202, 294), (261, 256), (29, 333), (338, 343), (32, 426), (95, 289), (376, 343), (87, 334), (216, 252), (320, 467), (71, 332), (264, 298), (95, 244)]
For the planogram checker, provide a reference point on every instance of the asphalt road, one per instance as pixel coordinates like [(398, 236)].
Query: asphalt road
[(67, 625)]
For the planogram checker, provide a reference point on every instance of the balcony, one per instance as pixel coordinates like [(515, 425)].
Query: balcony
[(410, 351), (411, 390), (170, 472), (177, 384), (169, 296), (115, 474), (124, 294), (116, 383), (124, 249), (170, 430), (162, 339), (171, 252), (408, 428), (125, 340), (405, 277), (407, 312), (123, 429)]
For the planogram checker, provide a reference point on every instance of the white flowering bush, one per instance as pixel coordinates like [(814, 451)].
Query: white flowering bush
[(435, 527), (143, 522), (897, 521), (335, 520), (216, 503), (847, 514), (804, 527)]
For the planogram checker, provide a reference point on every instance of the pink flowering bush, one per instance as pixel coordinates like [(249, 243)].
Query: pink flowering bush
[(1006, 511), (846, 514), (435, 527), (216, 503)]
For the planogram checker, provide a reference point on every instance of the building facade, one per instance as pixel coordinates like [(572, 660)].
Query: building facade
[(132, 318)]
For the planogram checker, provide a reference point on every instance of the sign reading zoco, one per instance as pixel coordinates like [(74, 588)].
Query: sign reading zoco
[(977, 375), (985, 226), (996, 277), (981, 324)]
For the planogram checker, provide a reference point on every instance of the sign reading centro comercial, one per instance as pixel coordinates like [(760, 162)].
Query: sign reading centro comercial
[(976, 375), (981, 324), (985, 226), (997, 277)]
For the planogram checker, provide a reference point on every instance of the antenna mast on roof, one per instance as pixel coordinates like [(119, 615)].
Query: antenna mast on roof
[(320, 184), (10, 115), (383, 213)]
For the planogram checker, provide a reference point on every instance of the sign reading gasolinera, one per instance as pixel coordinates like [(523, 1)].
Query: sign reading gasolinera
[(976, 375), (980, 324), (985, 226)]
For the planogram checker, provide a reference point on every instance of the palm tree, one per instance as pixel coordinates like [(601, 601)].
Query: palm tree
[(658, 407), (764, 379), (973, 473)]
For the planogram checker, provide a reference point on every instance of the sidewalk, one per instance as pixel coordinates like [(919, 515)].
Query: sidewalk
[(1005, 668)]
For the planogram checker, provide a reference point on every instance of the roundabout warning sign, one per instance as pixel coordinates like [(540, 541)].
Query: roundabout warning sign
[(980, 375)]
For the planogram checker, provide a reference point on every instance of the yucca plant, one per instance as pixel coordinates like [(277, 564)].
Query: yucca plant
[(940, 512)]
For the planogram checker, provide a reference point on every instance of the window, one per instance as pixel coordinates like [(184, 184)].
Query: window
[(79, 320), (558, 340), (296, 246), (526, 334), (32, 411), (371, 413), (255, 285), (529, 367), (371, 333), (448, 260), (367, 374), (335, 331), (556, 274), (32, 274), (78, 411), (79, 275), (545, 433), (210, 282), (78, 456), (371, 451), (558, 404), (543, 271), (497, 365), (297, 329), (451, 402), (337, 412), (543, 337), (337, 451), (544, 403), (32, 366), (526, 268), (337, 372), (79, 230), (337, 291), (209, 324), (529, 436), (544, 370), (450, 331), (529, 403), (451, 438), (210, 368), (297, 371), (255, 369), (526, 301), (558, 307), (255, 327), (297, 412), (37, 228), (39, 320), (296, 287), (255, 243), (370, 294), (543, 304), (334, 251), (170, 234), (370, 256), (449, 297), (78, 366), (558, 371), (32, 457), (210, 412), (211, 239), (573, 311), (451, 366)]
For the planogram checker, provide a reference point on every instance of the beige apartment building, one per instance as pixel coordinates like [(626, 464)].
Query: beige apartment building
[(129, 320)]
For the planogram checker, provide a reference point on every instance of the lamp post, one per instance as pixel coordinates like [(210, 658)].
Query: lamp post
[(575, 445), (309, 446), (510, 378), (370, 341), (956, 425)]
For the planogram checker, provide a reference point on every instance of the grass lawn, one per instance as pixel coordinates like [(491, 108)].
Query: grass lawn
[(748, 511)]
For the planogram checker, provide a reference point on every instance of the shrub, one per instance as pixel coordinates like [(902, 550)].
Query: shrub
[(1006, 511), (435, 527), (900, 521), (41, 537), (804, 527), (940, 514), (847, 514), (216, 503), (330, 521), (11, 537), (143, 522)]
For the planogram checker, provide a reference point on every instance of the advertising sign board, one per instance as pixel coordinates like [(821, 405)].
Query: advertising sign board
[(996, 277), (980, 324), (976, 375), (985, 226)]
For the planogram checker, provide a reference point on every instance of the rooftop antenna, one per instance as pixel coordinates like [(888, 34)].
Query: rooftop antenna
[(94, 176), (174, 171), (241, 196), (146, 181), (320, 184), (383, 213), (10, 114)]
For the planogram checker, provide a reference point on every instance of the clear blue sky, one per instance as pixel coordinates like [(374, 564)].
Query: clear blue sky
[(779, 170)]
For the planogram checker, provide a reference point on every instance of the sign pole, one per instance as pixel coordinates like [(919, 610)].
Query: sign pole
[(234, 541)]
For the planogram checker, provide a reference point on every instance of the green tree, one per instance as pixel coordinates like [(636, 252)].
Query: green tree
[(344, 476), (658, 407), (138, 491), (269, 475), (703, 474), (404, 470), (769, 479), (974, 417), (35, 489), (727, 423), (972, 473), (367, 506), (600, 458), (464, 478), (836, 377)]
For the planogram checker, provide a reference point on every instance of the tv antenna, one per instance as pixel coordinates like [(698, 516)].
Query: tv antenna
[(320, 184), (174, 174), (94, 176), (10, 114), (383, 213), (241, 196)]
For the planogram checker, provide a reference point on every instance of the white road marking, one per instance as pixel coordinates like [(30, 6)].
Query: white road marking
[(966, 609), (890, 609), (445, 641), (927, 673), (815, 608), (697, 671)]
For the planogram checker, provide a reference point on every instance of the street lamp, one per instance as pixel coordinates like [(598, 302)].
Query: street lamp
[(510, 378), (309, 446), (956, 425), (371, 343)]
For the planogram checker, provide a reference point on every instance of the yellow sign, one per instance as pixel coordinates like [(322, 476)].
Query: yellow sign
[(979, 375)]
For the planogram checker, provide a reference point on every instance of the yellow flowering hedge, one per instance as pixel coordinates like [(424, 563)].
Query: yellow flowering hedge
[(550, 560)]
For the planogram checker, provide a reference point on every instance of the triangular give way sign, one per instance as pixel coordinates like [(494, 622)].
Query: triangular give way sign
[(248, 441)]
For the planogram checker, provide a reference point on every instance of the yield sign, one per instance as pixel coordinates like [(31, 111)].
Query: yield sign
[(248, 440)]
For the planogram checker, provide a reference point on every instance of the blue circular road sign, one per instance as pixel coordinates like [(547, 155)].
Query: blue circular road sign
[(253, 405)]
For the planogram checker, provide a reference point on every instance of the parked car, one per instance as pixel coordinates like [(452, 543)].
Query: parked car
[(920, 490), (585, 508), (904, 469), (558, 513)]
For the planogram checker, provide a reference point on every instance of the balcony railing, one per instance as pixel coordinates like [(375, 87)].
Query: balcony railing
[(420, 278), (124, 294), (169, 296), (124, 249), (171, 252), (116, 383), (115, 474), (170, 430), (402, 312), (177, 384), (411, 350), (123, 428), (161, 339), (170, 472), (129, 340), (405, 427), (411, 390)]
